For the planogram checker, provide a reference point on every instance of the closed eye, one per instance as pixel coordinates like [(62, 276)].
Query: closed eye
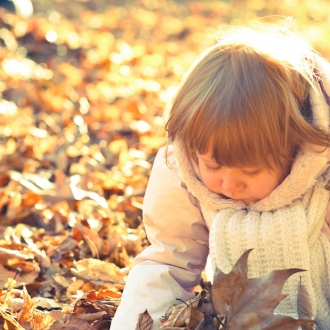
[(251, 173), (212, 168)]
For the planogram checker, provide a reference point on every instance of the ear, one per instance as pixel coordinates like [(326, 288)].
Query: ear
[(320, 107)]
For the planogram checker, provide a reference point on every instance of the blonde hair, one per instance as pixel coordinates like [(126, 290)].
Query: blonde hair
[(246, 99)]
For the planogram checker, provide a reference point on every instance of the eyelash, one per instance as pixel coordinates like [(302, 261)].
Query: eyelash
[(250, 174), (213, 169)]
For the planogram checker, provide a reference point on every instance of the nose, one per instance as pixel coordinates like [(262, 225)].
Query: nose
[(231, 181)]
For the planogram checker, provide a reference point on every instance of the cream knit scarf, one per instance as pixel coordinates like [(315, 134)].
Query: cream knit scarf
[(284, 229)]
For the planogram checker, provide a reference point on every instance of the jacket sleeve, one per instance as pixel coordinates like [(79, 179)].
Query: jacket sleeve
[(171, 266)]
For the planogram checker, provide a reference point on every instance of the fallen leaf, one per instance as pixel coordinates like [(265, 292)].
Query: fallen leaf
[(93, 269), (251, 302), (304, 307), (145, 322), (26, 315), (235, 302), (207, 324), (10, 323)]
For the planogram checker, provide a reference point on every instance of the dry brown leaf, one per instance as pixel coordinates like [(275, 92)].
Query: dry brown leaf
[(92, 239), (304, 307), (145, 322), (91, 317), (60, 281), (101, 294), (14, 206), (44, 320), (15, 304), (65, 247), (21, 277), (7, 254), (71, 323), (6, 295), (195, 318), (238, 302), (10, 322), (207, 324), (251, 302), (74, 287), (47, 303), (5, 274), (180, 314), (26, 315), (93, 269)]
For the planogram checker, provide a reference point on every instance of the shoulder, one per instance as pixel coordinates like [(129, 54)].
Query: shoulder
[(165, 181), (165, 157)]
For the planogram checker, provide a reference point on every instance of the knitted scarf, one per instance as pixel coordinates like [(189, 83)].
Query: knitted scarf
[(283, 229)]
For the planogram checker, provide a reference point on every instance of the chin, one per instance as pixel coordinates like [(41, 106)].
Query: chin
[(249, 200)]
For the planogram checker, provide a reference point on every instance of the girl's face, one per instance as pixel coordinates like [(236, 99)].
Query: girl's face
[(246, 184)]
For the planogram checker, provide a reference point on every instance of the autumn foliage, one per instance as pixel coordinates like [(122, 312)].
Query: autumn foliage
[(83, 87), (235, 301)]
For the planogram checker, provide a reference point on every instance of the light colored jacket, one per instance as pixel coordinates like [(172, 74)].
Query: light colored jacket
[(171, 266)]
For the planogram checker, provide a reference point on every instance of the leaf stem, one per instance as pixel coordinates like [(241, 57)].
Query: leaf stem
[(208, 284), (18, 270), (182, 301)]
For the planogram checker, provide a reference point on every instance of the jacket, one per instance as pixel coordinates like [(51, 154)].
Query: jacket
[(171, 266)]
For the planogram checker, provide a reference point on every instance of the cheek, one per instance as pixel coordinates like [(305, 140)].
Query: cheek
[(209, 179), (266, 187)]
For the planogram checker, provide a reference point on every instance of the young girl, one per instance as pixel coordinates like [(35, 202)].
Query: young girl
[(246, 167)]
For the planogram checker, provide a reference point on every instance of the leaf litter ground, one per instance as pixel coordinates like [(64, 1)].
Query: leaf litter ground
[(83, 86)]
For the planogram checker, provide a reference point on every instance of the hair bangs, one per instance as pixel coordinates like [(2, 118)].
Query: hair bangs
[(240, 121), (242, 145), (236, 140)]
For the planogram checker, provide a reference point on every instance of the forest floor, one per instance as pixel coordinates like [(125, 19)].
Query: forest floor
[(83, 89)]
